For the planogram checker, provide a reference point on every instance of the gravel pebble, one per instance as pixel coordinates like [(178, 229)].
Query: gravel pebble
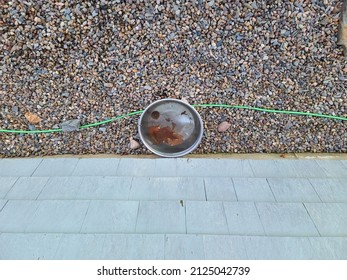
[(133, 144), (223, 126), (70, 125)]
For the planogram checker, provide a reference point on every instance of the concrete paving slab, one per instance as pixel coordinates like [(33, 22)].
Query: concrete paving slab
[(105, 188), (27, 188), (18, 167), (184, 247), (91, 187), (56, 167), (17, 215), (6, 184), (219, 188), (108, 216), (165, 167), (80, 247), (59, 216), (2, 203), (167, 188), (253, 189), (169, 205), (136, 167), (286, 219), (189, 167), (293, 190), (206, 217), (61, 188), (330, 218), (308, 168), (224, 247), (243, 218), (181, 188), (333, 168), (96, 167), (161, 217), (144, 188), (330, 190), (20, 246), (273, 168), (287, 168), (329, 248), (278, 248), (133, 247), (196, 167)]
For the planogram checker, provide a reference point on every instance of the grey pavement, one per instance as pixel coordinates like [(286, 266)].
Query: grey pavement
[(186, 208)]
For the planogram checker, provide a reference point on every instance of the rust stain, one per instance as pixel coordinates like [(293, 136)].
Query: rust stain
[(165, 135)]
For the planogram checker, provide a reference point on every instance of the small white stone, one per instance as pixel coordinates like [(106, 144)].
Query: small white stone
[(133, 144), (37, 19), (211, 3), (109, 85), (184, 100)]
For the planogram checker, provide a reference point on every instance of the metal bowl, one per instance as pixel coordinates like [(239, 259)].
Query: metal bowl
[(170, 128)]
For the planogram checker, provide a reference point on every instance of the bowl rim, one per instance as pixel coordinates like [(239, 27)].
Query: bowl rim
[(177, 154)]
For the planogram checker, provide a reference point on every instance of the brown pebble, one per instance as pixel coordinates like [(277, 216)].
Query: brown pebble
[(223, 126), (32, 118)]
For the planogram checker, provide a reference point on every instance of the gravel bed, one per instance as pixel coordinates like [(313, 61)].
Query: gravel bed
[(92, 60)]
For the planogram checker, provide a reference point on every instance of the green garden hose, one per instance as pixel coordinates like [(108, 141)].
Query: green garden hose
[(198, 105)]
